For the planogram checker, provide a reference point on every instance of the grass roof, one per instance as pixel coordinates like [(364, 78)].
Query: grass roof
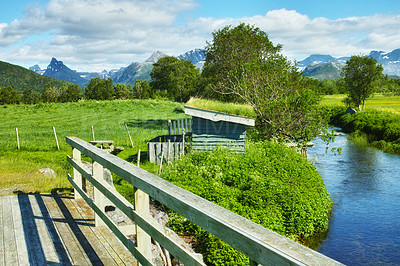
[(223, 107)]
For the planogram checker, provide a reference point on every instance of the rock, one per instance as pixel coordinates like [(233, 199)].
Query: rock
[(47, 172)]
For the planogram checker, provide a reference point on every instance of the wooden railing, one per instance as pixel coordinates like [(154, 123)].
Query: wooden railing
[(261, 245)]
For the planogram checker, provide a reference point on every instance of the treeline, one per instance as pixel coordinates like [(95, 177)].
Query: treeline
[(171, 78), (386, 85)]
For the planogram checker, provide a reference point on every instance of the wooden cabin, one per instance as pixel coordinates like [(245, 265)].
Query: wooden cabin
[(211, 129)]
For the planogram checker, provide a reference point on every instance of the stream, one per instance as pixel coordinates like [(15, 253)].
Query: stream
[(364, 184)]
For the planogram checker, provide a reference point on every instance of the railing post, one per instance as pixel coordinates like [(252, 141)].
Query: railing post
[(78, 179), (99, 198), (142, 207)]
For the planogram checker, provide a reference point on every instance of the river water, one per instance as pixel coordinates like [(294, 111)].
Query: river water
[(364, 184)]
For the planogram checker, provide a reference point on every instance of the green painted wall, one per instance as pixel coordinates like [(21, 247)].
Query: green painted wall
[(208, 134)]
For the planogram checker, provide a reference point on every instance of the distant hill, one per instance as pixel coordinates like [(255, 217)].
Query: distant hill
[(124, 75), (57, 69), (137, 71), (20, 78), (323, 71), (322, 66)]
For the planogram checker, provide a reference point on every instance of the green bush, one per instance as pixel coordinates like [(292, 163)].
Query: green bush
[(270, 184), (381, 129)]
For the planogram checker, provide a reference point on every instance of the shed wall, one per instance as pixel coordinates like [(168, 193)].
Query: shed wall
[(207, 135)]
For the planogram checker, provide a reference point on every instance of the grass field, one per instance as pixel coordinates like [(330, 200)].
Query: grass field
[(145, 119), (378, 101)]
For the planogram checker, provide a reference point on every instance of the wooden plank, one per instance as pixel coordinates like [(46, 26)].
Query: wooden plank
[(45, 239), (23, 258), (2, 254), (125, 241), (148, 224), (70, 237), (10, 245), (117, 253), (260, 244), (84, 222), (35, 249)]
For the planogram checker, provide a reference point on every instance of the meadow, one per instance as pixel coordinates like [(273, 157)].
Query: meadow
[(145, 120), (378, 102)]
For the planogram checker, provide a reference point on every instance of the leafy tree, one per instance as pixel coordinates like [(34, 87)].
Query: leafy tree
[(176, 76), (99, 89), (243, 62), (141, 90), (122, 91), (70, 93), (8, 96), (361, 75), (30, 96), (50, 94)]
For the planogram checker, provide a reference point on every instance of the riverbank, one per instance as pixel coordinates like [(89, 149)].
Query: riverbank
[(379, 129)]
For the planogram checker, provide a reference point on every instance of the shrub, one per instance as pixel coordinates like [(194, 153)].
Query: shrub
[(271, 185)]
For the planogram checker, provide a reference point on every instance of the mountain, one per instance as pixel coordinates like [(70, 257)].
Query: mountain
[(141, 71), (196, 56), (330, 70), (57, 69), (390, 61), (137, 71), (20, 78), (321, 66), (37, 69)]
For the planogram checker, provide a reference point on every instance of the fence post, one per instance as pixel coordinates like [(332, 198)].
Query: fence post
[(99, 198), (16, 129), (55, 136), (142, 207), (76, 155)]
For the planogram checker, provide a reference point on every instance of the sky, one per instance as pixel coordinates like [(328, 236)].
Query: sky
[(93, 35)]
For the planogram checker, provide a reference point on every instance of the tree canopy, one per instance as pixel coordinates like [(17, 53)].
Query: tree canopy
[(175, 78), (360, 76), (242, 61)]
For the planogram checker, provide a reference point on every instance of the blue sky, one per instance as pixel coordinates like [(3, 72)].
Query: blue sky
[(91, 35)]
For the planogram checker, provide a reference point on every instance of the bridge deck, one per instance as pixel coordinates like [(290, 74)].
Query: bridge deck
[(43, 229)]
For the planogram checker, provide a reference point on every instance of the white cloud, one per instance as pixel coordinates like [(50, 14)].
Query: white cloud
[(113, 33)]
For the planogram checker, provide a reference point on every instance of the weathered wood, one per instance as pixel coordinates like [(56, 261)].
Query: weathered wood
[(142, 207), (99, 254), (16, 129), (48, 229), (127, 242), (55, 136), (93, 133), (76, 154), (260, 244), (129, 135), (10, 247), (2, 254), (149, 224), (99, 198), (34, 246), (45, 239)]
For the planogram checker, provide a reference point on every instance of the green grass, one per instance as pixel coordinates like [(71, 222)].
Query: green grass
[(229, 108), (145, 119), (378, 101)]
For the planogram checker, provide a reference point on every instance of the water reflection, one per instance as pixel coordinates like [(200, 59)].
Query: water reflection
[(364, 185)]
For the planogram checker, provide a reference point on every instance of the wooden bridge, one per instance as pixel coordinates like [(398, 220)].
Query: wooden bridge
[(55, 229)]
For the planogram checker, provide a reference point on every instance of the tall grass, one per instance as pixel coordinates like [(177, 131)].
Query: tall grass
[(145, 119), (229, 108)]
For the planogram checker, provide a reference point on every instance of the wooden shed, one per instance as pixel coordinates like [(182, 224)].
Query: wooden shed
[(211, 129)]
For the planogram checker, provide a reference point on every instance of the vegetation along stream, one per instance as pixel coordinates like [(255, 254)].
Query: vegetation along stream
[(364, 184)]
